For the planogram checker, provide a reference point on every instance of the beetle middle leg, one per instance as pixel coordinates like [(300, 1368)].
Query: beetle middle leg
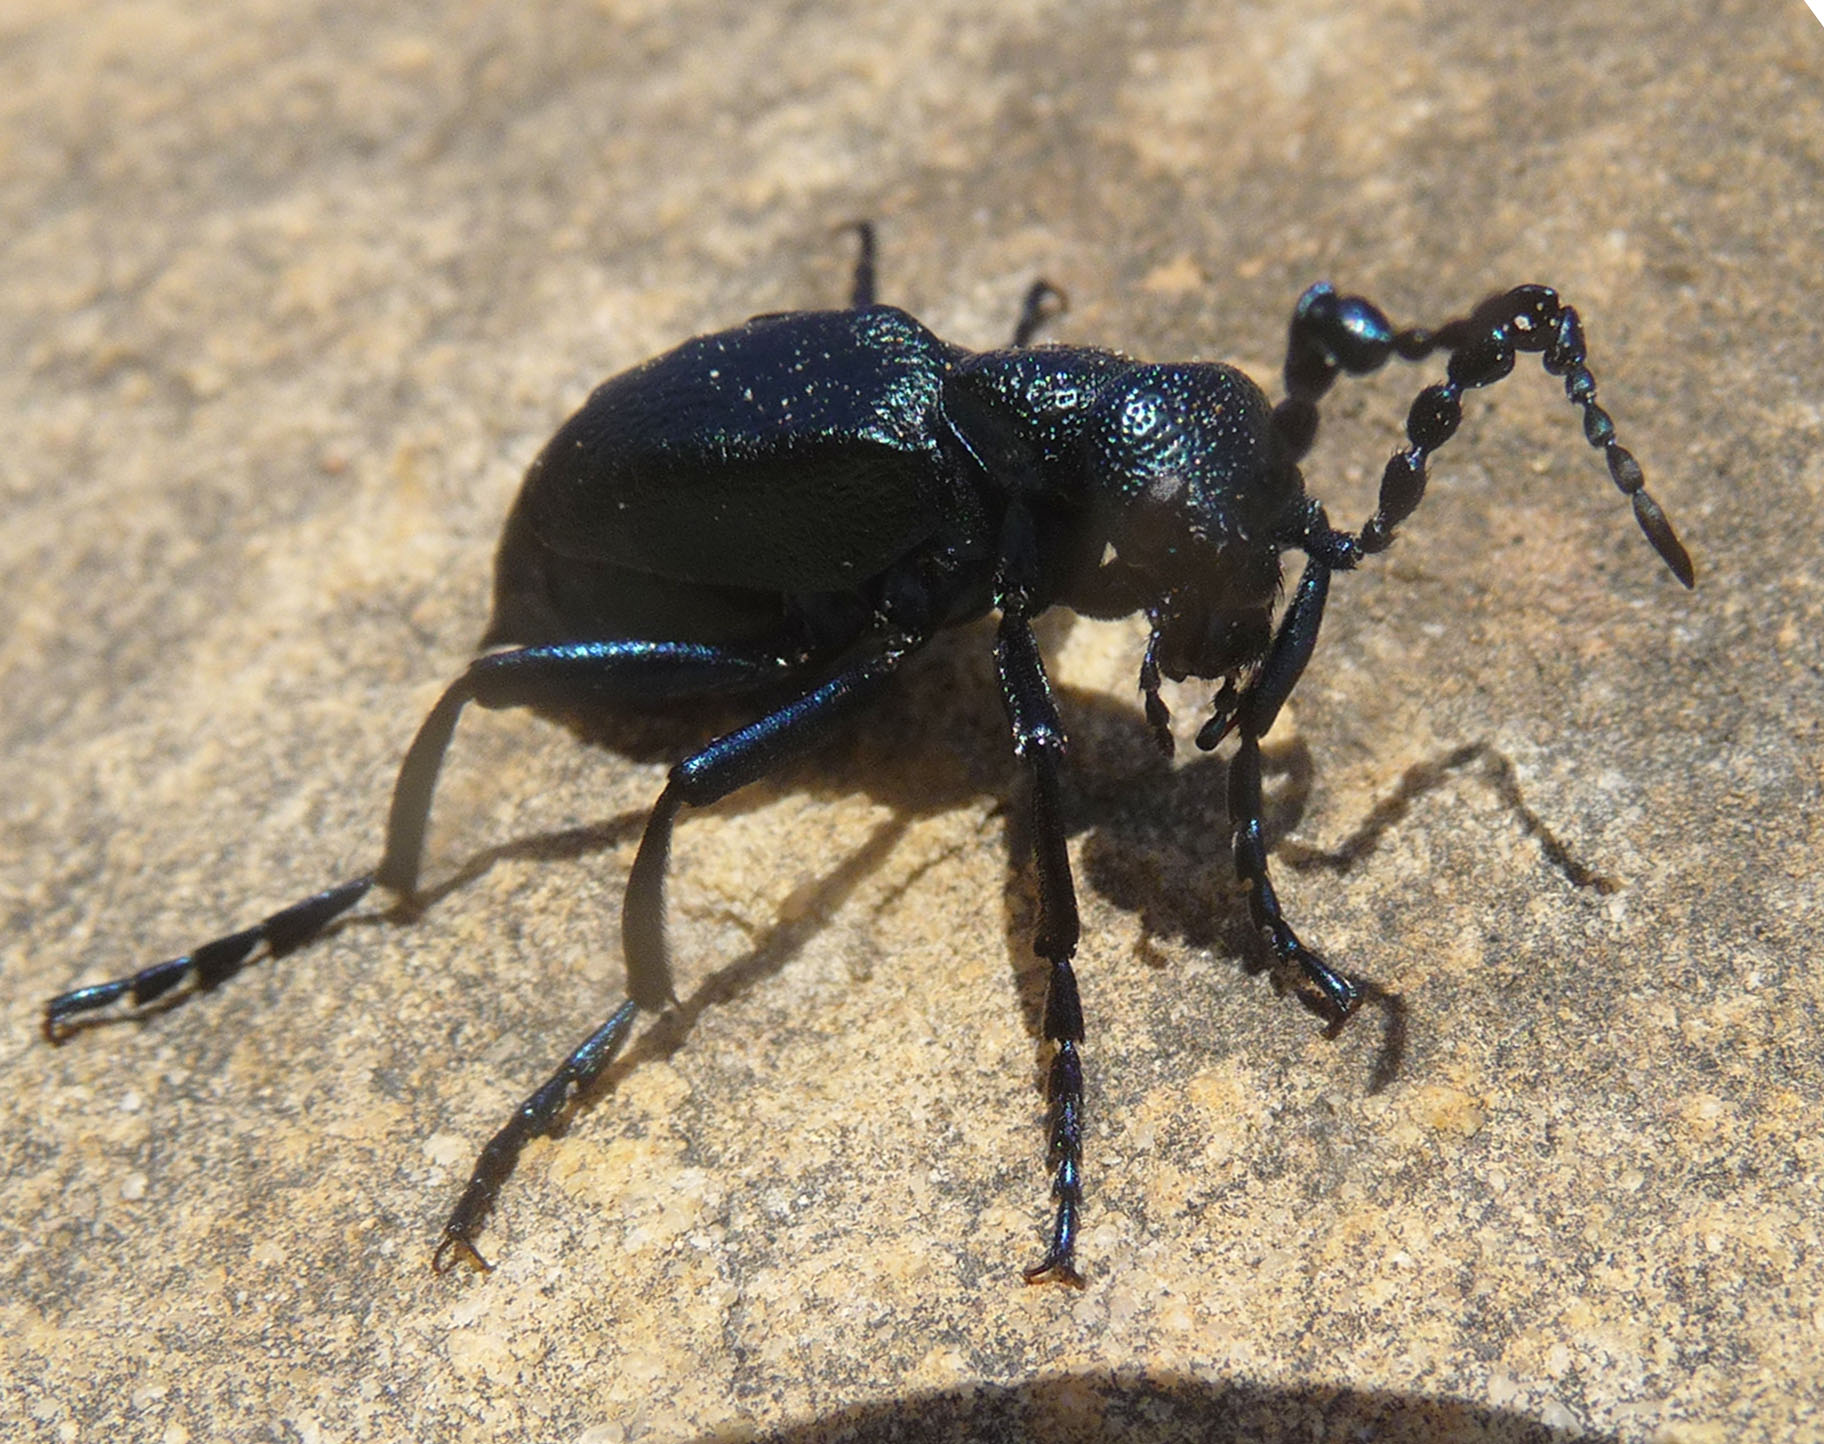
[(1039, 741), (708, 775)]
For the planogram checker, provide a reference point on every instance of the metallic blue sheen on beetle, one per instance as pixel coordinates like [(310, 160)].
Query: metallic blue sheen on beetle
[(781, 514)]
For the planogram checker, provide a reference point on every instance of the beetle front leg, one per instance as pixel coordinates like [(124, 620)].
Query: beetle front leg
[(1278, 675)]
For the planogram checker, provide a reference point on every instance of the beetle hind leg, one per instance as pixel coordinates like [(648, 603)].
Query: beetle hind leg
[(213, 962), (1042, 303), (579, 674)]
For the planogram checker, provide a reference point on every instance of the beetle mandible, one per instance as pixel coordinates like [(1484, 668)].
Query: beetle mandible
[(794, 507)]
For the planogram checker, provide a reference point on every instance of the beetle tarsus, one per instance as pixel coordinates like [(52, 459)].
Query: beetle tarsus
[(454, 1245), (214, 961), (1059, 1264), (538, 1114)]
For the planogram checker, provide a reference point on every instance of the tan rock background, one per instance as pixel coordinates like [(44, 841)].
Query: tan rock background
[(289, 296)]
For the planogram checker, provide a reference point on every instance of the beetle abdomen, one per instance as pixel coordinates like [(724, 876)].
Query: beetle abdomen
[(795, 454)]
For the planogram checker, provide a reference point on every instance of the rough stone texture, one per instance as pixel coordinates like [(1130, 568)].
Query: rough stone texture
[(291, 294)]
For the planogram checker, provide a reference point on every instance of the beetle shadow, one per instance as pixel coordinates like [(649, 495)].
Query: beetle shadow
[(1155, 835), (1154, 832), (1156, 844), (1491, 766), (1162, 1406)]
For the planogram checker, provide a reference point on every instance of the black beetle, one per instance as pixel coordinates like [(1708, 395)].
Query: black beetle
[(789, 509)]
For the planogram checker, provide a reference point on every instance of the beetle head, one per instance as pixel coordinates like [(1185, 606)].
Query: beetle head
[(1198, 496)]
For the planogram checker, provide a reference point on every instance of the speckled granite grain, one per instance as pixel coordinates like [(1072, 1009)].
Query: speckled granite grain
[(289, 296)]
